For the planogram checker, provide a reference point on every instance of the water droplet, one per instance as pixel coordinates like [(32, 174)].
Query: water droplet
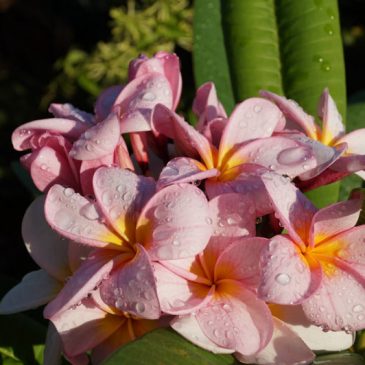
[(160, 233), (209, 220), (89, 211), (44, 167), (148, 96), (140, 307), (257, 108), (293, 156), (89, 147), (216, 333), (360, 317), (210, 323), (272, 167), (357, 308), (120, 188), (127, 196), (282, 279), (227, 307), (329, 29), (119, 304), (107, 198), (305, 167), (68, 192), (176, 243)]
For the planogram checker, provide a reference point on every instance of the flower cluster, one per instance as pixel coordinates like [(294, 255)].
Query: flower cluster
[(127, 241)]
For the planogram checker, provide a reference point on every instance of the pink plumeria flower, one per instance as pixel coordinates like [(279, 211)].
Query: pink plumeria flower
[(58, 144), (324, 258), (214, 293), (133, 225), (57, 258), (339, 153), (245, 149), (91, 326)]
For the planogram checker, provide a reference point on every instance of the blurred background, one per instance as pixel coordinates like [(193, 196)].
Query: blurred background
[(69, 50)]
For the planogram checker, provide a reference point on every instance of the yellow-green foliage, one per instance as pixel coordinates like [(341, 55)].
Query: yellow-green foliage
[(157, 25)]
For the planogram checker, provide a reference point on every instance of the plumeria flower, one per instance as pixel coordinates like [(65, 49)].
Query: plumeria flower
[(339, 152), (245, 149), (56, 150), (319, 263), (214, 293), (57, 258), (134, 226)]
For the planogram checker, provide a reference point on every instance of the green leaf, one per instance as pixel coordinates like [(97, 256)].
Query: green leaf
[(251, 39), (165, 347), (355, 116), (312, 59), (209, 56), (344, 358)]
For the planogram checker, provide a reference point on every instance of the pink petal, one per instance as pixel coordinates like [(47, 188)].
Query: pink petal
[(281, 154), (45, 246), (178, 295), (105, 101), (68, 111), (98, 141), (237, 321), (138, 98), (36, 288), (188, 327), (206, 105), (313, 336), (251, 119), (89, 275), (287, 276), (349, 164), (77, 254), (338, 304), (85, 326), (186, 138), (333, 126), (213, 130), (294, 113), (87, 171), (175, 223), (48, 167), (132, 288), (21, 137), (184, 170), (75, 217), (240, 261), (121, 195), (334, 219), (248, 184), (293, 209), (285, 348), (355, 141)]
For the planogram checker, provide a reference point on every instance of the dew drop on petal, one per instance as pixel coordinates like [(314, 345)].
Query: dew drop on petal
[(68, 192), (209, 220), (227, 307), (293, 156), (257, 108), (357, 308), (140, 307), (89, 211), (282, 279), (216, 333), (176, 243), (148, 96)]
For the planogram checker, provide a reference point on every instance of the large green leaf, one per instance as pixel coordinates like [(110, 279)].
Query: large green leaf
[(165, 347), (251, 39), (312, 59), (345, 358), (209, 56)]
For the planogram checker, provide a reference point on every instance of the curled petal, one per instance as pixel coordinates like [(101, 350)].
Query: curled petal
[(333, 127), (184, 170), (187, 139), (121, 195), (21, 137), (188, 327), (349, 164), (98, 141), (175, 223), (287, 276)]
